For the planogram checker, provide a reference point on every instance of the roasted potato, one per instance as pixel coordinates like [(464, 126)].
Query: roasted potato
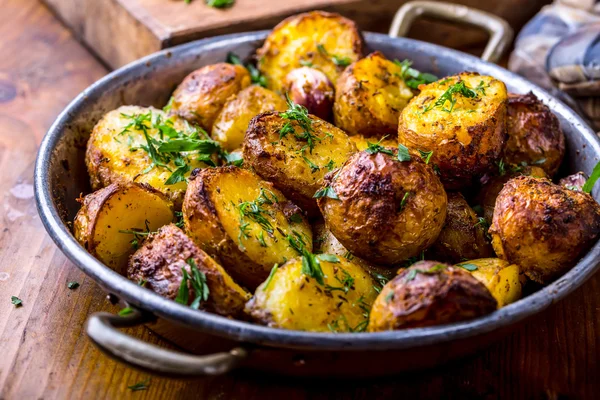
[(113, 220), (362, 143), (487, 194), (382, 209), (429, 293), (462, 121), (369, 97), (295, 155), (318, 39), (312, 89), (158, 265), (534, 134), (464, 235), (326, 243), (232, 122), (290, 299), (543, 227), (574, 181), (202, 94), (500, 277), (115, 151), (244, 222)]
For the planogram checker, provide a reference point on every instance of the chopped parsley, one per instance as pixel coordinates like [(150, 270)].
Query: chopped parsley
[(431, 271), (144, 384), (403, 154), (255, 75), (311, 265), (125, 311), (378, 148), (327, 191), (381, 280), (218, 3), (337, 60), (469, 267), (501, 167), (448, 97), (591, 181), (426, 155), (271, 275), (138, 235), (404, 201), (412, 77), (73, 285), (197, 280), (17, 302), (330, 165), (298, 113), (347, 281)]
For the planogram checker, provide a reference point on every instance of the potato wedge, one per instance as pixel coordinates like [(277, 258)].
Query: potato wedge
[(429, 293), (462, 120), (287, 160), (290, 299), (159, 262), (463, 236), (370, 95), (244, 222), (232, 122), (112, 221), (321, 40), (115, 150), (201, 95), (499, 276)]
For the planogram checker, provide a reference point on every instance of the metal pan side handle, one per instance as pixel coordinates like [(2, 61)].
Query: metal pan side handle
[(102, 330), (501, 33)]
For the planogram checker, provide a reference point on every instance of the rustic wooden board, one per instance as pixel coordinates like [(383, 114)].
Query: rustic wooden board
[(120, 31), (46, 355)]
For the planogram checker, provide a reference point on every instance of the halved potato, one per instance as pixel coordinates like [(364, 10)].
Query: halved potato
[(201, 95), (287, 160), (369, 97), (115, 154), (318, 39), (462, 121), (290, 299), (159, 262), (232, 122), (500, 277), (114, 220), (244, 222)]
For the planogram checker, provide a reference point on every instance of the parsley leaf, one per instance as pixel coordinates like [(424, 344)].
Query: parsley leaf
[(220, 3), (270, 277), (255, 75), (337, 60), (591, 181), (73, 285), (378, 148), (426, 155), (140, 386), (199, 284), (17, 302), (125, 311), (469, 267), (448, 96), (327, 191), (412, 77), (403, 154)]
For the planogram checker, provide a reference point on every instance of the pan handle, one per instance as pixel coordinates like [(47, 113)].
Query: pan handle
[(102, 330), (501, 33)]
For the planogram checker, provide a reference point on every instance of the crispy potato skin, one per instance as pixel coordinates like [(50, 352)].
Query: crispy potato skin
[(159, 263), (467, 142), (212, 218), (201, 95), (283, 160), (534, 134), (435, 298), (370, 95), (370, 217), (487, 194), (312, 89), (463, 237), (293, 42), (232, 122), (500, 277), (543, 227), (292, 300), (109, 158), (325, 243), (114, 208)]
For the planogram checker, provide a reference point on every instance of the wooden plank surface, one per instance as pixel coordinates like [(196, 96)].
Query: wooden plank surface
[(45, 354)]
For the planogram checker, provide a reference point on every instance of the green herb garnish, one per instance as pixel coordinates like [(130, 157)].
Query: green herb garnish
[(431, 271), (337, 60), (591, 181), (327, 191), (403, 154), (404, 201), (426, 155), (378, 148), (219, 3), (412, 77), (17, 302), (138, 235), (448, 97), (468, 267), (73, 285), (270, 277), (197, 280), (125, 311), (255, 75), (140, 386)]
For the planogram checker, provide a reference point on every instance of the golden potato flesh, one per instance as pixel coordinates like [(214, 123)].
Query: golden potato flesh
[(244, 222), (291, 299), (534, 134), (202, 94), (115, 151), (543, 227), (279, 150), (232, 122), (487, 194), (463, 236), (158, 266), (462, 120), (326, 243), (429, 293), (499, 276), (362, 143), (321, 40), (369, 97), (382, 209), (113, 221)]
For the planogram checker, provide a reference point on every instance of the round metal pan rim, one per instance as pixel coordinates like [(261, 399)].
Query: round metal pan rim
[(253, 333)]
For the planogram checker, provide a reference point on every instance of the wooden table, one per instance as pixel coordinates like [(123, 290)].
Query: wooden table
[(45, 354)]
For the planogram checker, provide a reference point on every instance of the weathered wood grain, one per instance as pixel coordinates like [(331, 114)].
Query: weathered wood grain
[(45, 354)]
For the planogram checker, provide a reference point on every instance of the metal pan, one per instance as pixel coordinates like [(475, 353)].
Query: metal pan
[(60, 176)]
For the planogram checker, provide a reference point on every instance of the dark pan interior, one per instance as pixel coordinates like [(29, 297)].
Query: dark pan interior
[(60, 177)]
